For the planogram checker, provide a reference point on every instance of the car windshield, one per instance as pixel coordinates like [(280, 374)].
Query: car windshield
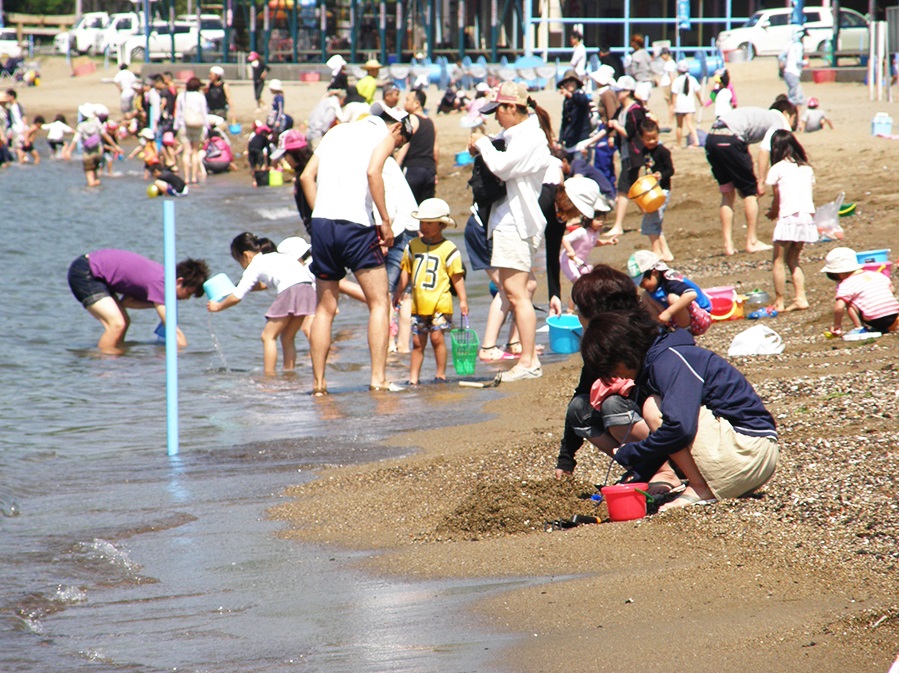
[(8, 35), (752, 20)]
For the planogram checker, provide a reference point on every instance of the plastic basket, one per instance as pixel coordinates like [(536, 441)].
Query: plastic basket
[(465, 348)]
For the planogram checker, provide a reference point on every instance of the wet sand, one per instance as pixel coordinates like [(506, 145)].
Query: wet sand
[(800, 577)]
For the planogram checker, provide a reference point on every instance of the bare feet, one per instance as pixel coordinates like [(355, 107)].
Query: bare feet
[(687, 498), (613, 232), (758, 246), (729, 251), (795, 306)]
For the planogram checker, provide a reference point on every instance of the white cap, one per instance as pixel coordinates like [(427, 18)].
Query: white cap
[(217, 70), (434, 210), (275, 85), (604, 75), (335, 63), (294, 246), (641, 262), (625, 83), (643, 91), (841, 260)]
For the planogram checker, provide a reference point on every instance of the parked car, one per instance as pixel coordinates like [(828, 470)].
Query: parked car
[(9, 44), (768, 32), (211, 25), (85, 36), (120, 28), (185, 36)]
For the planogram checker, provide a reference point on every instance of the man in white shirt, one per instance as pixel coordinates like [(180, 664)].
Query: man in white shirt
[(124, 80), (579, 55), (342, 182), (793, 61)]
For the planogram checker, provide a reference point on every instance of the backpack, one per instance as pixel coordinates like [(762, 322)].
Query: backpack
[(486, 188), (192, 116)]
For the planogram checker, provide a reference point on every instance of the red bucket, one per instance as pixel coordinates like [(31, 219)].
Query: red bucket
[(624, 502)]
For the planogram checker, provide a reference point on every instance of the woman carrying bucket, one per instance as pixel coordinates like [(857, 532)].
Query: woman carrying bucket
[(702, 413)]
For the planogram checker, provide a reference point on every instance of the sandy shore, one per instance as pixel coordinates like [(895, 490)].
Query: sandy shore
[(801, 577)]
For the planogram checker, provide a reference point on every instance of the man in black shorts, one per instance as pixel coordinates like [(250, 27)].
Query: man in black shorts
[(727, 150), (342, 181)]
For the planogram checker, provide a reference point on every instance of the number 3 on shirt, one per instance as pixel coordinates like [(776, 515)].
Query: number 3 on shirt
[(425, 275)]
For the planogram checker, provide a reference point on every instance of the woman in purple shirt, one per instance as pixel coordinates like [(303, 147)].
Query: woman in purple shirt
[(107, 282)]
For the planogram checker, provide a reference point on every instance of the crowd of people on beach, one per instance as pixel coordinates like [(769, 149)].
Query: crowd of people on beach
[(676, 415)]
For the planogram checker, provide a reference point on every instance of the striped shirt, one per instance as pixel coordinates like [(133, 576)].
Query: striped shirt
[(869, 292)]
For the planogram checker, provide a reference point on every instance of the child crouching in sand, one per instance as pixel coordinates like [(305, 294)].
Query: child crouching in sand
[(431, 263), (677, 301), (866, 296)]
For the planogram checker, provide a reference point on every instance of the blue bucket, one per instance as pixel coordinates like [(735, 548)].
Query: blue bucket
[(564, 333), (464, 158), (218, 287)]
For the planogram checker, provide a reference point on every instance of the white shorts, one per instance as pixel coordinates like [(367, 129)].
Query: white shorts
[(510, 251)]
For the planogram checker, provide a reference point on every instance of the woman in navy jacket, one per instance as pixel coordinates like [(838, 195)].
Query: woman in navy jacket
[(702, 413)]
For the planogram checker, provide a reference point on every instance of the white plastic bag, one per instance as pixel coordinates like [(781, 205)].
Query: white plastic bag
[(757, 340), (827, 219)]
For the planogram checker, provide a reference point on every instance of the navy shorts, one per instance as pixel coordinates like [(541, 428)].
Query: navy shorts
[(87, 288), (480, 248), (339, 245), (731, 164)]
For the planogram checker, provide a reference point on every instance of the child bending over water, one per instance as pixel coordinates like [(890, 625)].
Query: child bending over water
[(294, 306)]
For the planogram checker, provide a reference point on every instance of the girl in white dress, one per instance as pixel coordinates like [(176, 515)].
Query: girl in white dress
[(686, 92)]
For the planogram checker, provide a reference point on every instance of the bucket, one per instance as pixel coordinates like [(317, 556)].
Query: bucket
[(647, 194), (871, 256), (234, 129), (465, 346), (824, 76), (275, 178), (564, 333), (886, 268), (218, 287), (724, 303), (757, 299), (882, 124), (625, 503), (463, 158)]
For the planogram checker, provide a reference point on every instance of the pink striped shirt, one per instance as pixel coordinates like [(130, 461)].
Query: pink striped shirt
[(870, 292)]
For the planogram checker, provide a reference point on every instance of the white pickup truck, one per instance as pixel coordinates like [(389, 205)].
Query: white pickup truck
[(85, 36), (134, 48)]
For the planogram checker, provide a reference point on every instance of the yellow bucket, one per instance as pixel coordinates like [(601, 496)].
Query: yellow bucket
[(647, 194), (275, 178)]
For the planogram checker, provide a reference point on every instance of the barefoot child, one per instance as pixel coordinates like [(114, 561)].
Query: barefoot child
[(430, 264), (28, 137), (866, 296), (792, 180), (677, 301), (56, 134), (292, 309), (657, 160)]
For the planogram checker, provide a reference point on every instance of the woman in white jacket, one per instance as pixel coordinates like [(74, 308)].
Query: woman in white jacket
[(516, 222), (190, 124)]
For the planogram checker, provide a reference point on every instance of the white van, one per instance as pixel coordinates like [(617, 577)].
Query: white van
[(121, 27), (768, 32), (85, 36), (134, 48)]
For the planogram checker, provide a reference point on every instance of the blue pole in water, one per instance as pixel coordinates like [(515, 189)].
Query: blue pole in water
[(171, 328)]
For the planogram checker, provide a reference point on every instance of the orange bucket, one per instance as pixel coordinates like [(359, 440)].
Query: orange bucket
[(624, 501), (647, 194)]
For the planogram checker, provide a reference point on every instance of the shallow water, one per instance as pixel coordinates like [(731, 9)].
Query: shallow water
[(114, 556)]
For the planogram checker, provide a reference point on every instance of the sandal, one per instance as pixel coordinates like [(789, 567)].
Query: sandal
[(502, 356), (511, 348)]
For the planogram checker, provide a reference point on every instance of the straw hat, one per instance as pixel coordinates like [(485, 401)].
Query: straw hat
[(275, 85), (434, 210), (641, 262), (372, 64), (841, 260)]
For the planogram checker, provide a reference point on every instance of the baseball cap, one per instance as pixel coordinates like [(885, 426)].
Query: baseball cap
[(813, 102), (841, 260), (641, 262), (507, 93), (291, 139), (253, 56)]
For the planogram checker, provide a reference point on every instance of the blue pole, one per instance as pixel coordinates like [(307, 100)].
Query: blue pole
[(171, 328)]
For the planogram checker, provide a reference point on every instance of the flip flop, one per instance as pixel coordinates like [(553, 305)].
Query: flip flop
[(388, 388), (661, 489)]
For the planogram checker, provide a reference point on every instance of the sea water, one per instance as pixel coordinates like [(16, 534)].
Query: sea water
[(116, 557)]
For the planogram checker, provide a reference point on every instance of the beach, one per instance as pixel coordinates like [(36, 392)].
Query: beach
[(800, 577)]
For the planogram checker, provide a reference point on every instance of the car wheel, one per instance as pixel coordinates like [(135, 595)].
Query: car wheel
[(139, 54)]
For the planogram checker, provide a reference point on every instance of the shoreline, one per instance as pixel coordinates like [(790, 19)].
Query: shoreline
[(799, 578)]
